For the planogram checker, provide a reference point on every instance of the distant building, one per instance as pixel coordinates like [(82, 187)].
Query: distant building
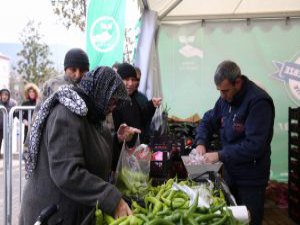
[(4, 71)]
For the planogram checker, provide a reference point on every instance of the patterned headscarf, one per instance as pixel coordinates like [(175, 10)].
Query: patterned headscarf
[(102, 84), (90, 99)]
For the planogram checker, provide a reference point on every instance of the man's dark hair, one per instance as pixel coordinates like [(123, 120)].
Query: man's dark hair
[(227, 70)]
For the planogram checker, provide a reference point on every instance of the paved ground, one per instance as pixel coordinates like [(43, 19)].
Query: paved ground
[(15, 191)]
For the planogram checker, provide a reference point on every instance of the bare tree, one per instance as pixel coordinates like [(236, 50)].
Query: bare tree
[(71, 12), (34, 63)]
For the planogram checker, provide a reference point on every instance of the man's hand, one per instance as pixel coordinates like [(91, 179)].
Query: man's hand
[(211, 157), (125, 132), (122, 210), (156, 102), (201, 149)]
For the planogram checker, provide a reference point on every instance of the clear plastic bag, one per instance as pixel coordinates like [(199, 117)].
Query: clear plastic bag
[(132, 173)]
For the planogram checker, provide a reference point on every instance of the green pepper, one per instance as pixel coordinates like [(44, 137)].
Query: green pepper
[(202, 210), (181, 194), (133, 220), (143, 217), (203, 218), (120, 221), (159, 194), (171, 195), (169, 183), (191, 221), (108, 219), (98, 215), (164, 212), (174, 218), (231, 220), (135, 205), (166, 193), (166, 201), (157, 205), (160, 221), (221, 221), (177, 203), (217, 207), (186, 205), (181, 220)]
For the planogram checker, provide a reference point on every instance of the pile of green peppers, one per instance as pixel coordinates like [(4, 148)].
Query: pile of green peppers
[(166, 206)]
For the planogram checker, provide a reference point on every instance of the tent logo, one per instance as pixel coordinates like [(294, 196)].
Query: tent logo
[(104, 34), (188, 50), (289, 73)]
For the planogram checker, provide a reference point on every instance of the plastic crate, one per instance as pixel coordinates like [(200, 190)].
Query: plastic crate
[(294, 177), (294, 164), (171, 164), (294, 152), (160, 169), (294, 211)]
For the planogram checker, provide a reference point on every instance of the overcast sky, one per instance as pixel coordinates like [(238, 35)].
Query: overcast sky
[(14, 15)]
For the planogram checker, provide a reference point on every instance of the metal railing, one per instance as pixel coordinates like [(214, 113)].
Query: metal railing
[(8, 126), (5, 162)]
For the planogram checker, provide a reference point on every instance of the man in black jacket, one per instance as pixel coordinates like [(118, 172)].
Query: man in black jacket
[(134, 114), (244, 116)]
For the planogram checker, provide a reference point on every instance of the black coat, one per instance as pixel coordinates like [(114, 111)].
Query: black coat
[(73, 167), (136, 115)]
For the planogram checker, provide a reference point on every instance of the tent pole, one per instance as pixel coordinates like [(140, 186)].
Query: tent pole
[(145, 4), (277, 15), (169, 9)]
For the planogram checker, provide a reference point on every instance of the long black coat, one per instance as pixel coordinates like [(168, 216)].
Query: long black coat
[(72, 171)]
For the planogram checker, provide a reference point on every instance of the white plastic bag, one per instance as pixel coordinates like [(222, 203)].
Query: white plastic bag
[(132, 173)]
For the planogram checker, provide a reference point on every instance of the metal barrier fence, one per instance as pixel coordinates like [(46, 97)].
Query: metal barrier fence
[(5, 161), (8, 126)]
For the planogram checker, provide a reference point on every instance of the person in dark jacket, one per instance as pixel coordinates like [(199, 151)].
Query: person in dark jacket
[(31, 94), (133, 114), (8, 103), (76, 64), (70, 152), (244, 116)]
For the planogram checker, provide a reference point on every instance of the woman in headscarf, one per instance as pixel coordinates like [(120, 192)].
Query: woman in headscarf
[(70, 152)]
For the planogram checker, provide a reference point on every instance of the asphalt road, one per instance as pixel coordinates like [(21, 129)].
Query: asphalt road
[(15, 191)]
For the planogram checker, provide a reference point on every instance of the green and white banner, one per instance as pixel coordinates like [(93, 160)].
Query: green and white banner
[(105, 31), (268, 52)]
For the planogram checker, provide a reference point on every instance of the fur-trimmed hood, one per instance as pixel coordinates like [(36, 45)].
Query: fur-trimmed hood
[(33, 87)]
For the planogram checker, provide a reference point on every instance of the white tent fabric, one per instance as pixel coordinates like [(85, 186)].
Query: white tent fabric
[(147, 61), (178, 10), (181, 11), (146, 58)]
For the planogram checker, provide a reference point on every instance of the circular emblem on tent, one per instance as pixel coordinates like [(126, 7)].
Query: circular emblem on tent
[(104, 34), (289, 73)]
